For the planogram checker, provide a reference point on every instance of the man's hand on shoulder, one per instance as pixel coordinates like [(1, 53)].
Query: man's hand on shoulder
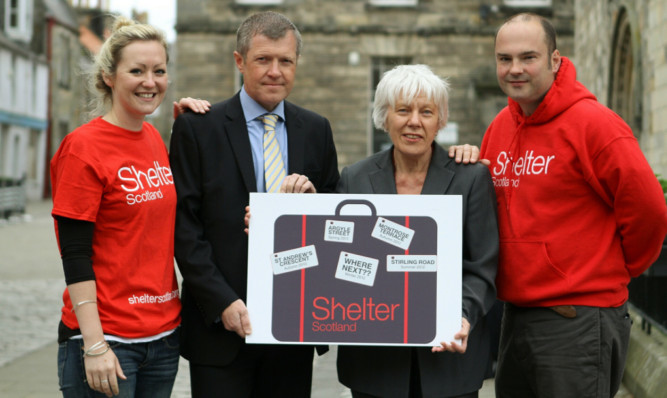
[(195, 105), (466, 154)]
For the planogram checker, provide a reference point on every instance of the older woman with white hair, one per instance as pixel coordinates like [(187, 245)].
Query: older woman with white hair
[(411, 105)]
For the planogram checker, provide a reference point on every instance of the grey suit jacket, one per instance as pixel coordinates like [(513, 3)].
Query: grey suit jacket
[(385, 371)]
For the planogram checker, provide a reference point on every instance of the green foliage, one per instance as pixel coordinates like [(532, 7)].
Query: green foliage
[(663, 182)]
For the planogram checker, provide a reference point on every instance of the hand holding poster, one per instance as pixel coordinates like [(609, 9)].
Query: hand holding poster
[(321, 272)]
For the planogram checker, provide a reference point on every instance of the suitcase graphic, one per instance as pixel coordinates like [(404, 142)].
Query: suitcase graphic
[(314, 305)]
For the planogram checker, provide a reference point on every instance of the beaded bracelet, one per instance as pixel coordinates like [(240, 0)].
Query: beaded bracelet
[(82, 303)]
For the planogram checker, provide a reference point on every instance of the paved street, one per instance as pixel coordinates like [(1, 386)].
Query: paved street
[(31, 286)]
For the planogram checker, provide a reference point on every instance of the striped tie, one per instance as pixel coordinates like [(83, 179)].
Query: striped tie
[(274, 169)]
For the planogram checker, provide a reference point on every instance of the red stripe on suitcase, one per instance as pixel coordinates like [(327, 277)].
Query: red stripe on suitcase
[(406, 292), (303, 278)]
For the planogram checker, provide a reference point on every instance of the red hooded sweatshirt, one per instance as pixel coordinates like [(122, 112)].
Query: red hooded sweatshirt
[(580, 210)]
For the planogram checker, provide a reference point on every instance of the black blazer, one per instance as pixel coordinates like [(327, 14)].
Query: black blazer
[(385, 371), (212, 165)]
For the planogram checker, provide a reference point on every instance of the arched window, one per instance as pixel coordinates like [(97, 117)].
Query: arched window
[(624, 84)]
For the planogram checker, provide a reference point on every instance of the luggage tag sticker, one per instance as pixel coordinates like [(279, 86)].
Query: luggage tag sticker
[(412, 263), (393, 233), (355, 268), (339, 231), (294, 259)]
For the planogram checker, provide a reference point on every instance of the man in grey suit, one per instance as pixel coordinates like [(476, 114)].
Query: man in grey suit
[(411, 106), (216, 160)]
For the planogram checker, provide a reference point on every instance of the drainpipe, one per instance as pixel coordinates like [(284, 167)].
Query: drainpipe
[(46, 189)]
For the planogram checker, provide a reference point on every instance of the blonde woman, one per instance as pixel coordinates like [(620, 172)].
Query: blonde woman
[(114, 205)]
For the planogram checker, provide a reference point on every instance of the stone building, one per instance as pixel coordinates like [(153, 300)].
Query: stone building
[(621, 52), (348, 44), (40, 91), (23, 103), (67, 93), (95, 23)]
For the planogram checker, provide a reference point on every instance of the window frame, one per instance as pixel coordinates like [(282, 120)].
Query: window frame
[(258, 2), (22, 12), (528, 3), (393, 3)]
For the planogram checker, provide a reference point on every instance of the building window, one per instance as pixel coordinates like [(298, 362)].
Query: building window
[(258, 2), (528, 3), (18, 19), (393, 3), (379, 139), (33, 159), (64, 64), (94, 4), (3, 145), (15, 165), (62, 130)]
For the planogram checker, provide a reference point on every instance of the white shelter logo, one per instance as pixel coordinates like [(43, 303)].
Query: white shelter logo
[(144, 185), (507, 170)]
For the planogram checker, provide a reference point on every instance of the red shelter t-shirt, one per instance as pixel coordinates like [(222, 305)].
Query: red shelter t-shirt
[(121, 181)]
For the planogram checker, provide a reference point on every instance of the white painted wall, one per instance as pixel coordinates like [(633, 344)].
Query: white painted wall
[(24, 101)]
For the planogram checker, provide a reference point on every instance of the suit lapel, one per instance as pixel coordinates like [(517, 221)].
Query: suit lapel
[(382, 179), (237, 133), (296, 138), (438, 177)]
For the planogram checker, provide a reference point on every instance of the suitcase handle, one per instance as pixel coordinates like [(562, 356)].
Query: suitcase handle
[(356, 202)]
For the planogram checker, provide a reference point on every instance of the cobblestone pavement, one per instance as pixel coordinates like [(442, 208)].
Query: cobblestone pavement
[(31, 283), (29, 316), (31, 286)]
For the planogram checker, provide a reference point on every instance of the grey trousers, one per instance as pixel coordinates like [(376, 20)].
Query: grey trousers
[(544, 354)]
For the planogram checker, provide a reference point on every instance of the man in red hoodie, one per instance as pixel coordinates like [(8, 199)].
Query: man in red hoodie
[(580, 212)]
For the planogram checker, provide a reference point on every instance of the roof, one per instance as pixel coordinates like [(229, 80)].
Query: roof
[(62, 12), (89, 40)]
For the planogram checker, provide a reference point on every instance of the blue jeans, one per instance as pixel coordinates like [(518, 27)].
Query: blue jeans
[(150, 368)]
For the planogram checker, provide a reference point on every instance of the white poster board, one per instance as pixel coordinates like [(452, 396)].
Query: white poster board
[(354, 269)]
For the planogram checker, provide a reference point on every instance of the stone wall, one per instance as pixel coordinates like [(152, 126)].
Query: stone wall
[(341, 39), (595, 27), (68, 85), (654, 71)]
